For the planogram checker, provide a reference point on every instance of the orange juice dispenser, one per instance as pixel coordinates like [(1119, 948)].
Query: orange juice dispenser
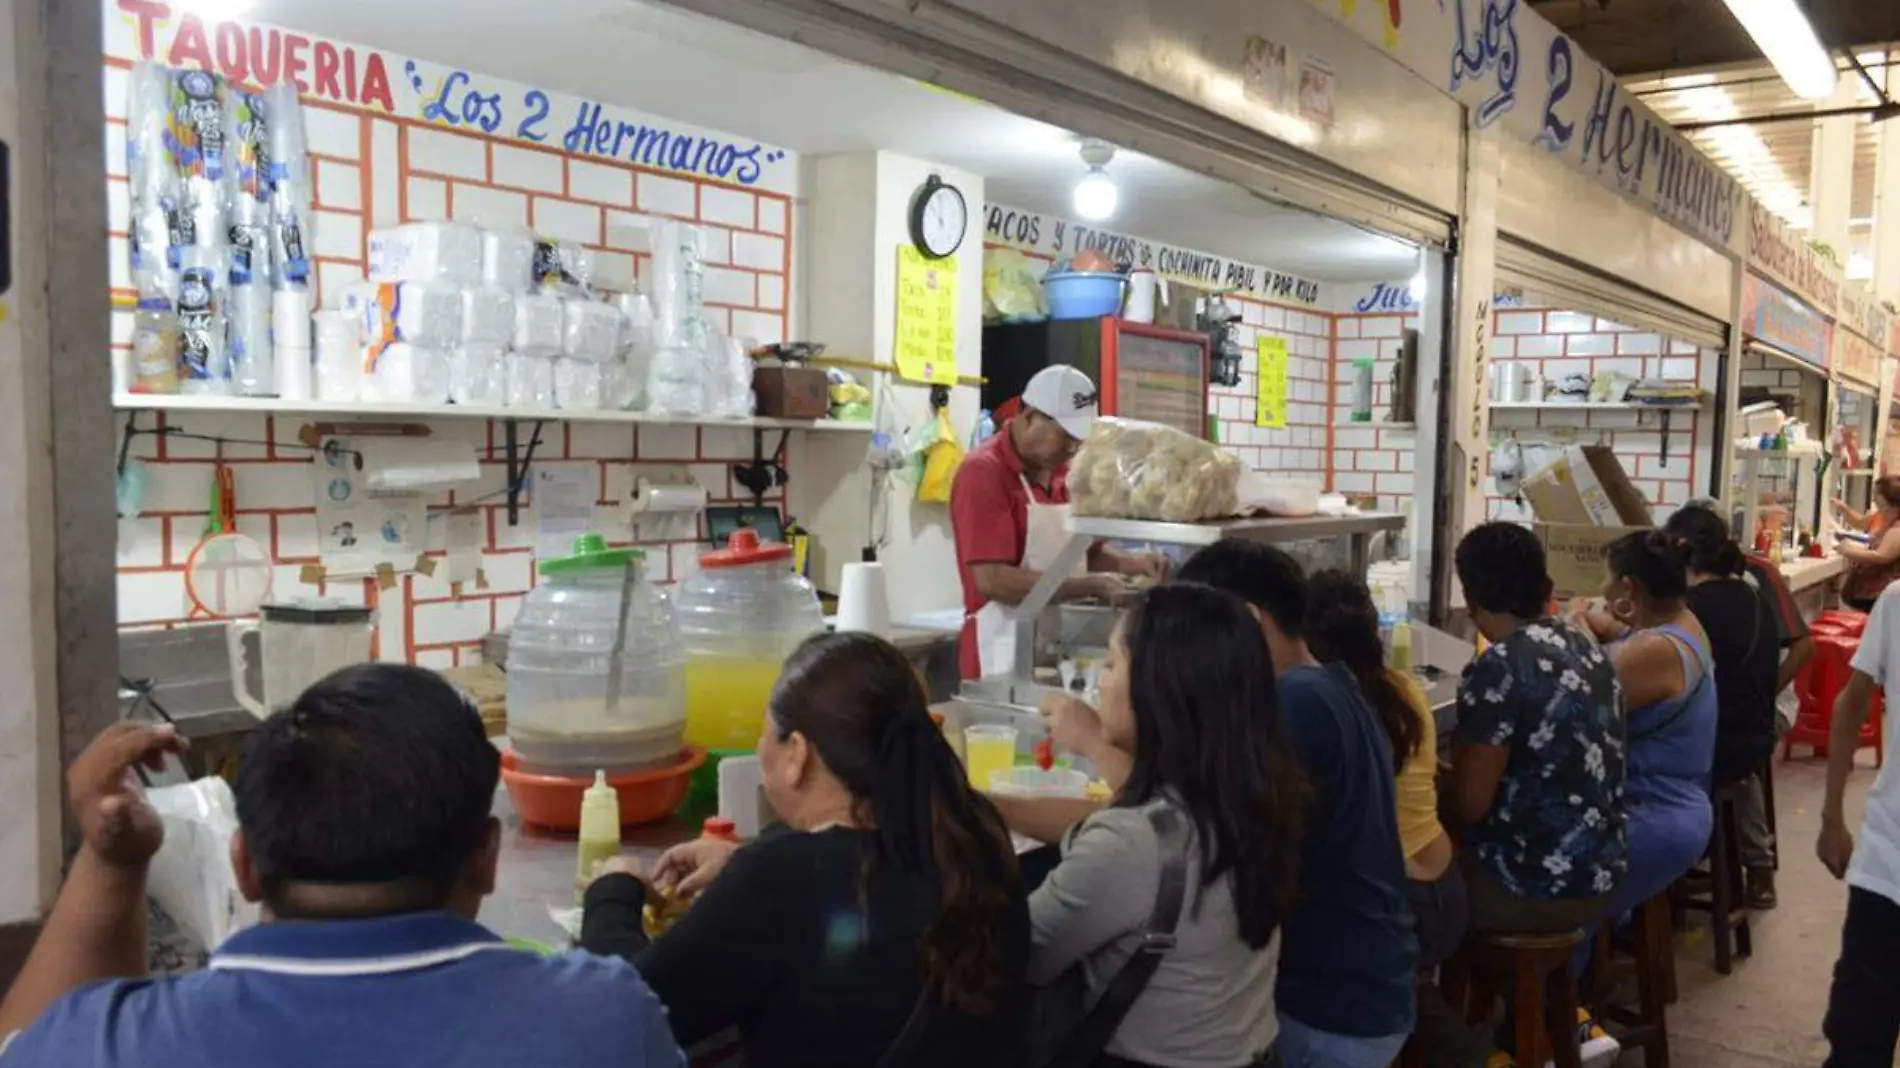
[(741, 616)]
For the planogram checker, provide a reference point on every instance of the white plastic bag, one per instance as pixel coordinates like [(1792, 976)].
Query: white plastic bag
[(191, 877), (440, 252), (1136, 470), (1261, 492)]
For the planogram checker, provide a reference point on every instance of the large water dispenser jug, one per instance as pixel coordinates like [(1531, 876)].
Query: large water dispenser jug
[(596, 668), (741, 616)]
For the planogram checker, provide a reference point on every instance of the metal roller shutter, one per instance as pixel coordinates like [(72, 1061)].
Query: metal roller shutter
[(964, 52), (1579, 289)]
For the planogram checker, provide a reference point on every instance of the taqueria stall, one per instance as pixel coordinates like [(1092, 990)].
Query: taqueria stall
[(570, 179), (462, 371), (1811, 426)]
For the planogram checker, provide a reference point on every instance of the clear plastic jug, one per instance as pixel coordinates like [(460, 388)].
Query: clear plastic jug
[(596, 669), (741, 616)]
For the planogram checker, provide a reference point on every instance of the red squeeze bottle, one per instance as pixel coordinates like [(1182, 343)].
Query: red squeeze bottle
[(721, 828), (1046, 754)]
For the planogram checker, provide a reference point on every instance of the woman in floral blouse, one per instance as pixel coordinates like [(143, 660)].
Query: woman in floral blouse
[(1538, 758)]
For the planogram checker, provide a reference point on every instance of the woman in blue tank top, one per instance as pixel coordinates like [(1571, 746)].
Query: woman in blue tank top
[(1667, 676)]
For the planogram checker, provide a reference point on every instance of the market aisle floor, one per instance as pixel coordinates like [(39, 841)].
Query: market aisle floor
[(1768, 1013)]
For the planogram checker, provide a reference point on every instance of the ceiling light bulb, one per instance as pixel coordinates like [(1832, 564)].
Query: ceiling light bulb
[(1786, 37), (1096, 196)]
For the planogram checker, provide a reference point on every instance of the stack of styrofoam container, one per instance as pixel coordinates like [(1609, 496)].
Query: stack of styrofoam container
[(413, 320), (455, 313)]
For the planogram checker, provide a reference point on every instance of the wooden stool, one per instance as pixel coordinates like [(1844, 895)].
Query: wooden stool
[(1653, 964), (1543, 995), (1720, 891)]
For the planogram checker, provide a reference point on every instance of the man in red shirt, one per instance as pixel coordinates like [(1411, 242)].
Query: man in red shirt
[(1007, 509)]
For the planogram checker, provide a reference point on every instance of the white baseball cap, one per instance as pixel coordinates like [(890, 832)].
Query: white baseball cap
[(1066, 395)]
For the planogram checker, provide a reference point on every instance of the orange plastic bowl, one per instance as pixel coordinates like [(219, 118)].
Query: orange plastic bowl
[(554, 801)]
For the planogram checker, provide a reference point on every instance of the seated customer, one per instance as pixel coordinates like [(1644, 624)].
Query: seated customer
[(364, 830), (1745, 641), (1668, 680), (1186, 695), (1347, 970), (894, 899), (1342, 627), (1537, 760)]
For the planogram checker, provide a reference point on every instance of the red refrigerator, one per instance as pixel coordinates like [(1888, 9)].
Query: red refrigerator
[(1144, 372)]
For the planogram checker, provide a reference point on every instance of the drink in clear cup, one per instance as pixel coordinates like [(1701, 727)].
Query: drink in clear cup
[(988, 748)]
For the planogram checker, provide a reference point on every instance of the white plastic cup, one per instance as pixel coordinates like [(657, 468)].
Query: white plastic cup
[(295, 377), (987, 749), (864, 602)]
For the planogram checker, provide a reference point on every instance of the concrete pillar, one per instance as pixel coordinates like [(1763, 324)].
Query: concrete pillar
[(29, 708), (1884, 244), (859, 209), (1831, 176), (58, 635), (1468, 459)]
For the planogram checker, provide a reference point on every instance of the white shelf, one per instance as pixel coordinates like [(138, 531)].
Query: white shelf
[(172, 402), (1560, 406)]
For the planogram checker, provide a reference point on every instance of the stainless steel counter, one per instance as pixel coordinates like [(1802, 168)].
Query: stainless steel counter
[(1269, 529)]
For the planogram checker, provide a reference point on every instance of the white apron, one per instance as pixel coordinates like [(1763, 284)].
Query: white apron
[(1046, 532)]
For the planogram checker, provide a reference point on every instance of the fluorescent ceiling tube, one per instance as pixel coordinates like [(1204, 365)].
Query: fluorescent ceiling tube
[(1786, 37)]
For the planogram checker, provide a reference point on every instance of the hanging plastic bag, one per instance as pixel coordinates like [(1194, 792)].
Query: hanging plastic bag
[(1012, 288), (942, 454), (191, 877)]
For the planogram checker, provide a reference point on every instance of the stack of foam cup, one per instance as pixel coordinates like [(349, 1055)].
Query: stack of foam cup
[(864, 602), (294, 352)]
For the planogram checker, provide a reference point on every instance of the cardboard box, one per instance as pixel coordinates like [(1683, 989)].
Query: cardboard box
[(1586, 485), (792, 392), (1573, 555), (1582, 502)]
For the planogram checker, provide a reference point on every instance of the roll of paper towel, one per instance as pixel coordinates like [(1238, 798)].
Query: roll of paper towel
[(665, 498), (406, 464), (863, 602)]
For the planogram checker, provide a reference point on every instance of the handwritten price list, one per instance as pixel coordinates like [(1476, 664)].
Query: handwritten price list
[(926, 318), (1270, 401)]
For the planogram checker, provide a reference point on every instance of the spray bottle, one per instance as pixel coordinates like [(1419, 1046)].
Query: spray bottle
[(600, 830)]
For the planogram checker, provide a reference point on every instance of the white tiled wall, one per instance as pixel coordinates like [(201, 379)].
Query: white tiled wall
[(1300, 449), (1372, 459), (1556, 343)]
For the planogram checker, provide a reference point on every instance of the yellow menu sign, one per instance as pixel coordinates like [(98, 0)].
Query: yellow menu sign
[(1270, 402), (926, 318)]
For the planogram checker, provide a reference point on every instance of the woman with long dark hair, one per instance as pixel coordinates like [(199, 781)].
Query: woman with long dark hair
[(1745, 642), (890, 924), (1188, 692), (1342, 627)]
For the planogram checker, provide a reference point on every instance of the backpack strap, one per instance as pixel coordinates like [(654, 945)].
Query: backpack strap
[(1157, 938)]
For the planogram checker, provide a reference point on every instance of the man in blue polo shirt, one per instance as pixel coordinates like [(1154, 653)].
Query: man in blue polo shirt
[(366, 834), (1347, 953)]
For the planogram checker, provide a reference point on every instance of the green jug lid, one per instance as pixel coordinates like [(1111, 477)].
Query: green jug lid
[(591, 552)]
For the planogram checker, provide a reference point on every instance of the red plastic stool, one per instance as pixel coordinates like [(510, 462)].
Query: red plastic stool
[(1839, 621), (1816, 688)]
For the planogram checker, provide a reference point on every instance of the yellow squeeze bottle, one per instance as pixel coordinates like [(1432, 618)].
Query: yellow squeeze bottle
[(1401, 646), (600, 830)]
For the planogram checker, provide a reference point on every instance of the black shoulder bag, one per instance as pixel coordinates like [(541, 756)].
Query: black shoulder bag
[(1066, 1035)]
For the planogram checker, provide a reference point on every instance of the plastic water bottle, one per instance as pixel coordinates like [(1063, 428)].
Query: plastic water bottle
[(985, 427)]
